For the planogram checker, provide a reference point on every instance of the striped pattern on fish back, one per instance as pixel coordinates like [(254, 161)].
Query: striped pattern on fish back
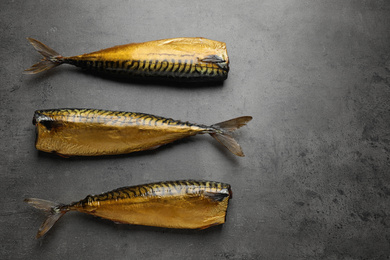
[(159, 189), (179, 67), (107, 117)]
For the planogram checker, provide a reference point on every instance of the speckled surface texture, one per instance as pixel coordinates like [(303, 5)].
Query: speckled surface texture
[(315, 75)]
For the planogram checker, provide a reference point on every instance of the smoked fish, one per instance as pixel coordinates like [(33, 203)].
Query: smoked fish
[(184, 204), (93, 132), (193, 59)]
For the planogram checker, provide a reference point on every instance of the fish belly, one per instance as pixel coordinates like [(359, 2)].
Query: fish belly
[(183, 213), (94, 140)]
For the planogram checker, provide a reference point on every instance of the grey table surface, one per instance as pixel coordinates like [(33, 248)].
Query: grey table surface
[(315, 76)]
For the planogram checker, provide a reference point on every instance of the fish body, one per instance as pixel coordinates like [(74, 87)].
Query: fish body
[(184, 204), (92, 132), (194, 59)]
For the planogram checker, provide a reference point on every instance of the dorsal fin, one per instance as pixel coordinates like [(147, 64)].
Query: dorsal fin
[(215, 59), (215, 196), (48, 122)]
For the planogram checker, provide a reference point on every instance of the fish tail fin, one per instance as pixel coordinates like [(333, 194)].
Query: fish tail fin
[(50, 59), (224, 135), (56, 211)]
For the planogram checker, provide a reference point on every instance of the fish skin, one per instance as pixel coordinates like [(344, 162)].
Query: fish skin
[(184, 204), (188, 58), (93, 132)]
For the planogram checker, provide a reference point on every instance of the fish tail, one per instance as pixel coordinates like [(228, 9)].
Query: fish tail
[(56, 211), (50, 59), (224, 130)]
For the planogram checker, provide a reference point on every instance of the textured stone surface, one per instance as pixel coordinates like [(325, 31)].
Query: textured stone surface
[(315, 75)]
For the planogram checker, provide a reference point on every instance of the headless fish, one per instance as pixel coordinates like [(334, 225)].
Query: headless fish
[(92, 132), (194, 59), (174, 204)]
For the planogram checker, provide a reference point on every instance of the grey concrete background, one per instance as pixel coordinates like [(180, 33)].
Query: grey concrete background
[(315, 75)]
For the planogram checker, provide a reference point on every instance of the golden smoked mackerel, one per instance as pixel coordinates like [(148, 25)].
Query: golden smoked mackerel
[(185, 204), (93, 132), (196, 59)]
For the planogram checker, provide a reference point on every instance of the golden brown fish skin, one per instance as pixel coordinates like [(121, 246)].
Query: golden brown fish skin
[(92, 132), (189, 58), (186, 204), (177, 204)]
